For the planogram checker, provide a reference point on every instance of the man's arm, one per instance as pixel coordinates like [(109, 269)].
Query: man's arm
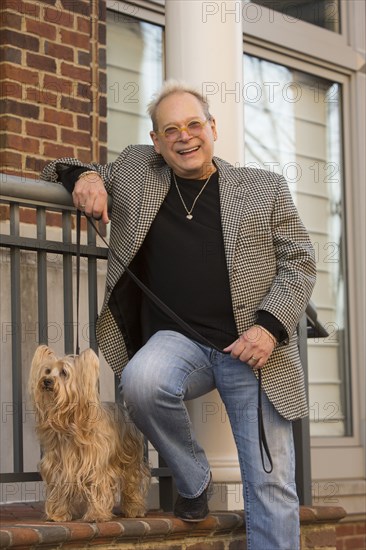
[(89, 183), (291, 288)]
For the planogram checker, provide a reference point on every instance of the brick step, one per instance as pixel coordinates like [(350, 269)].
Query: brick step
[(23, 527)]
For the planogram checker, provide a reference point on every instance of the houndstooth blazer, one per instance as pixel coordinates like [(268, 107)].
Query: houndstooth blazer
[(269, 256)]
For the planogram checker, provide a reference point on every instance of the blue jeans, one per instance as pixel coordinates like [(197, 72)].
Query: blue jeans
[(171, 369)]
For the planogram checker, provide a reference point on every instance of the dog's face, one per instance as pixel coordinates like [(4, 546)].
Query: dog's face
[(63, 382), (54, 373)]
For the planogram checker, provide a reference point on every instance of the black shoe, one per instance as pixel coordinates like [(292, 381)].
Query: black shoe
[(193, 509)]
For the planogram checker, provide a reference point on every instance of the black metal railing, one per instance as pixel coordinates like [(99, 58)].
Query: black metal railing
[(41, 199)]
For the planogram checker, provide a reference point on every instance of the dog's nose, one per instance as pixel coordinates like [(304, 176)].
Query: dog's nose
[(48, 383)]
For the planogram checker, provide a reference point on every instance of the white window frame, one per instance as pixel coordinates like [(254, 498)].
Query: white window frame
[(149, 11), (297, 45)]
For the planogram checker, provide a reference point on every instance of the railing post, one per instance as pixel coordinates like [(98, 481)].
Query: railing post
[(301, 429)]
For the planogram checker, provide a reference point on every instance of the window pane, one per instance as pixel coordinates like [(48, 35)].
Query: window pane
[(293, 126), (134, 73), (323, 13)]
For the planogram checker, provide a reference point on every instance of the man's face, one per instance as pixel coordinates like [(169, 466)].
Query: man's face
[(188, 156)]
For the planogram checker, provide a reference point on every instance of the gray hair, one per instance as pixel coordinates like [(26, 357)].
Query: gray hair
[(175, 87)]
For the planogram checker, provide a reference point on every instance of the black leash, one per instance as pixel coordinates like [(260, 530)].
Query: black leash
[(263, 445), (78, 236)]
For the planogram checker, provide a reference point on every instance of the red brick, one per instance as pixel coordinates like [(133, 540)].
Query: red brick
[(103, 81), (360, 528), (345, 529), (84, 123), (42, 62), (102, 57), (75, 105), (4, 212), (59, 51), (11, 124), (20, 143), (73, 71), (102, 33), (54, 150), (13, 72), (103, 129), (323, 537), (209, 545), (28, 9), (84, 155), (75, 39), (41, 130), (59, 85), (35, 164), (51, 2), (25, 535), (24, 8), (43, 96), (354, 543), (13, 55), (58, 117), (102, 106), (28, 215), (10, 161), (17, 108), (58, 17), (87, 91), (20, 40), (84, 58), (46, 30), (84, 25), (11, 89), (81, 139), (81, 7), (11, 20), (237, 545), (103, 154)]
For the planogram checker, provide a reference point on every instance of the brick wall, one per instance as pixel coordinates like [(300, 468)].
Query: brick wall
[(52, 83), (351, 535)]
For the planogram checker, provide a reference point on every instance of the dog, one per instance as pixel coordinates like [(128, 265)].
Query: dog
[(92, 452)]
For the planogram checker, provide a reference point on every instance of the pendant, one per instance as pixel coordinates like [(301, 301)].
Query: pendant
[(189, 216)]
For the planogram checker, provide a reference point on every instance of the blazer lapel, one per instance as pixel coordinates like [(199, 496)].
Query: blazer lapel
[(232, 200), (156, 187)]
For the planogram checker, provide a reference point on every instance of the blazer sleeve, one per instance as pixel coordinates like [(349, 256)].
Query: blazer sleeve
[(51, 171), (295, 277)]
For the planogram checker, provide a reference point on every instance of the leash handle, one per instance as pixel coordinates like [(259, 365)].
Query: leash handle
[(263, 445), (261, 432)]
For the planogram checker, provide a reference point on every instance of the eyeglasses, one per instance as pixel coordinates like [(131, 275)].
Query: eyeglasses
[(193, 128)]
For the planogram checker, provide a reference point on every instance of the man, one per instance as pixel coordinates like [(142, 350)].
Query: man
[(225, 249)]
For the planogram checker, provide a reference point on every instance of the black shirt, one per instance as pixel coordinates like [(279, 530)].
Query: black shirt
[(185, 265)]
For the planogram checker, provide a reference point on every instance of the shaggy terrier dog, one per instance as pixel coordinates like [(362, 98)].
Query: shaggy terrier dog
[(92, 452)]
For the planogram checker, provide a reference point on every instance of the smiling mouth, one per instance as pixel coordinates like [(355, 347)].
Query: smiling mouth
[(186, 151)]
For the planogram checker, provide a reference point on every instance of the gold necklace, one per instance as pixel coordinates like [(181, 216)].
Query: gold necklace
[(189, 215)]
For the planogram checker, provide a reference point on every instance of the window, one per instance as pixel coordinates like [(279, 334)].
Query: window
[(323, 13), (134, 73), (293, 126)]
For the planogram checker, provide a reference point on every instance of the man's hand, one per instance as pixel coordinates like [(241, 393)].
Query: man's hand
[(90, 196), (254, 346)]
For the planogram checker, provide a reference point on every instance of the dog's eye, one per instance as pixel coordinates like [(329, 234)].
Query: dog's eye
[(63, 373), (47, 371)]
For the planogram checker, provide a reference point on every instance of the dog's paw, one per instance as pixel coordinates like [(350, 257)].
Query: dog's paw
[(90, 517), (58, 518), (134, 512)]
